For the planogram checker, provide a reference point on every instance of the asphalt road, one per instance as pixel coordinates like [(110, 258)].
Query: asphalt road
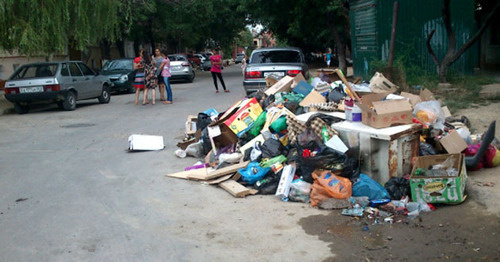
[(70, 191)]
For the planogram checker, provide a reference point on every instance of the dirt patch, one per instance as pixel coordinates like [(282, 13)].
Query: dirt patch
[(462, 232)]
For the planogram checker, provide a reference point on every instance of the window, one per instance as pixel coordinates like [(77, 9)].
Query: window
[(35, 70), (74, 70), (283, 56), (64, 70), (86, 70)]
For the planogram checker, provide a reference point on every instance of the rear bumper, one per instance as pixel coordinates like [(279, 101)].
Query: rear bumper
[(253, 85), (36, 97)]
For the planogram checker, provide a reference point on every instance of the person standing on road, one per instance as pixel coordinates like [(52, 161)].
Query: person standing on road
[(150, 78), (161, 85), (216, 61), (165, 74), (328, 58), (139, 76)]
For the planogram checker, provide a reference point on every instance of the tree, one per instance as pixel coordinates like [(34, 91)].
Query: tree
[(453, 53), (310, 24), (34, 27)]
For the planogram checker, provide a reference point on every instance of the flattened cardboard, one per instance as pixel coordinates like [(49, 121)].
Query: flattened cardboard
[(384, 113), (414, 99), (312, 97), (235, 188), (297, 79), (285, 84), (380, 84), (426, 95), (226, 170), (453, 143)]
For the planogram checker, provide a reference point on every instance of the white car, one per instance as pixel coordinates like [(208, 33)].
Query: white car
[(180, 68)]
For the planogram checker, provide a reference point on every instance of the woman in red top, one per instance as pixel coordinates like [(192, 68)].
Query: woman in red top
[(139, 75), (216, 61)]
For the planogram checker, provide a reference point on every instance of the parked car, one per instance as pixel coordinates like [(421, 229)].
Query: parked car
[(275, 61), (121, 73), (201, 57), (193, 59), (60, 82), (239, 58), (180, 68)]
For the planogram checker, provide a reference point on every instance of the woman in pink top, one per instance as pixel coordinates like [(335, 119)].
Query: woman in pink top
[(216, 61), (165, 73)]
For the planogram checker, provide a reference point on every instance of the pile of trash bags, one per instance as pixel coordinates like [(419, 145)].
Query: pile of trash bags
[(280, 141)]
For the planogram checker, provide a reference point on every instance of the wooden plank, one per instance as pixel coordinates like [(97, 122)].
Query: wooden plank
[(226, 170), (219, 180), (188, 174), (235, 188)]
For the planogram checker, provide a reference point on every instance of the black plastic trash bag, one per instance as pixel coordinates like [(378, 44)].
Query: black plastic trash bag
[(336, 95), (398, 187), (271, 148), (269, 184), (203, 121)]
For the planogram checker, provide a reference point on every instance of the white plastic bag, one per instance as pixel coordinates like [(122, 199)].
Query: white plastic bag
[(430, 113)]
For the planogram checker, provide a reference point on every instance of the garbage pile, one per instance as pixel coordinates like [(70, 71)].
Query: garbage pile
[(334, 143)]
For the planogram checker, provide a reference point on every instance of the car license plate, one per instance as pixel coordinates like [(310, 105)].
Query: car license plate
[(275, 74), (32, 89), (176, 67)]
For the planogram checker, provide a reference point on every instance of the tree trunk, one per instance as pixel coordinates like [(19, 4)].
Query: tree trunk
[(105, 50), (121, 48), (338, 43)]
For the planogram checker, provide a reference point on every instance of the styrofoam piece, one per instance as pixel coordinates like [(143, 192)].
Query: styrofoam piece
[(145, 142)]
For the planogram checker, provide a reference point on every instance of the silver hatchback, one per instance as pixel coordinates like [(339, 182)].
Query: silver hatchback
[(61, 82), (276, 62)]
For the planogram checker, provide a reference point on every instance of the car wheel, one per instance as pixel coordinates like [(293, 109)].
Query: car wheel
[(69, 103), (21, 109), (105, 97), (191, 79)]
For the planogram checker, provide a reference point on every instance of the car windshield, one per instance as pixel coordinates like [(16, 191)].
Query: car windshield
[(31, 71), (118, 65), (177, 58), (283, 56)]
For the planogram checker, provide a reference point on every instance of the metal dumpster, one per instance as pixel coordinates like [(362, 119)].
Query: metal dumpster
[(384, 152)]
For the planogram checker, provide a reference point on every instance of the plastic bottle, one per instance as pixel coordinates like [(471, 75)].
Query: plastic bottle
[(356, 114), (348, 104)]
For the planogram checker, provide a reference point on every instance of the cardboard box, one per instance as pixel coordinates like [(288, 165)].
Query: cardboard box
[(379, 114), (453, 143), (414, 99), (380, 84), (270, 81), (426, 95), (223, 135), (191, 125), (285, 181), (247, 111), (285, 84), (445, 189)]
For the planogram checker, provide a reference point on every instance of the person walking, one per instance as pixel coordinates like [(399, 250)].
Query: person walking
[(216, 61), (161, 85), (165, 74), (139, 75), (150, 78)]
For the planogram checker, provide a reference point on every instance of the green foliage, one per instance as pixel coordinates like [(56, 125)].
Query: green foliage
[(45, 27)]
